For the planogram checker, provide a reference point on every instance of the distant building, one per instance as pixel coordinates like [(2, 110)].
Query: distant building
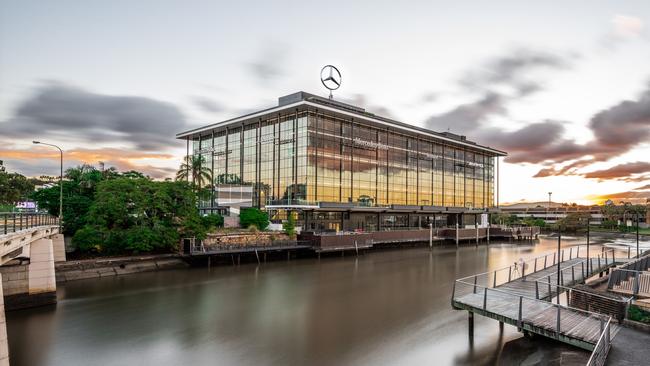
[(342, 168), (556, 211), (553, 213)]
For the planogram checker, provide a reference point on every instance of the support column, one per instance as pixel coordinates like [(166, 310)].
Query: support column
[(59, 247), (470, 324), (457, 232), (42, 280), (4, 345)]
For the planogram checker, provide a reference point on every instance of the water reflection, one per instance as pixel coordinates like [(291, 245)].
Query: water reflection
[(390, 307)]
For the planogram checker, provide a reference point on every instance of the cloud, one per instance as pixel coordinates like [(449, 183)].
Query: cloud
[(361, 100), (207, 105), (616, 130), (627, 196), (624, 125), (643, 188), (269, 63), (428, 98), (66, 113), (508, 79), (620, 171), (499, 82), (623, 29), (467, 117), (513, 70), (627, 26), (38, 160)]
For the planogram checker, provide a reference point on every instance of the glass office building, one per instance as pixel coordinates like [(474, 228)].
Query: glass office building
[(339, 167)]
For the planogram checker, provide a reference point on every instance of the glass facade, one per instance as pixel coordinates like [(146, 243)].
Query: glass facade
[(308, 157)]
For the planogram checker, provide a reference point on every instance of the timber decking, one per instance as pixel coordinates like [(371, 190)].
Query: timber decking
[(526, 300)]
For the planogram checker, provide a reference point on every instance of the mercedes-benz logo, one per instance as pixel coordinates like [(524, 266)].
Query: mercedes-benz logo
[(330, 77)]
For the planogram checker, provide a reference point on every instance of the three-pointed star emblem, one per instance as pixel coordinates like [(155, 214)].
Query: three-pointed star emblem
[(330, 77)]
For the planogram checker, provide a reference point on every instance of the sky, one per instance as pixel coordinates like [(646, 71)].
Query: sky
[(562, 86)]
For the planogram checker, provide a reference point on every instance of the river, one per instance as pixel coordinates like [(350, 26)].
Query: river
[(389, 307)]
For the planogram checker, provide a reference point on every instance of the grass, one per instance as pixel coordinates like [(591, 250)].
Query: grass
[(637, 314), (631, 230)]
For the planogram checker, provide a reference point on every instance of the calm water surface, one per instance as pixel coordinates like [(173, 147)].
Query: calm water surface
[(382, 308)]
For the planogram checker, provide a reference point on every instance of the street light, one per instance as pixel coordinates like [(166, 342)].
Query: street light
[(60, 182), (636, 215)]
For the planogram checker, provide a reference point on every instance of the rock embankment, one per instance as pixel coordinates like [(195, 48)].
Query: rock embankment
[(109, 267)]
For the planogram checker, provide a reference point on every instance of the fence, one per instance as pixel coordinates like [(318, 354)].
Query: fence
[(11, 222), (599, 354)]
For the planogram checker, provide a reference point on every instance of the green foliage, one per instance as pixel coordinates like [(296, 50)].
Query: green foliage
[(7, 208), (289, 226), (610, 224), (134, 215), (194, 169), (14, 188), (78, 194), (87, 239), (531, 221), (573, 221), (504, 219), (253, 216), (212, 221), (637, 314)]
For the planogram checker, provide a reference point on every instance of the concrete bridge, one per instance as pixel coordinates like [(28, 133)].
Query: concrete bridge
[(29, 246)]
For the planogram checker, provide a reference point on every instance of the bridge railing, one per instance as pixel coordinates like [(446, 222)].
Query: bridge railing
[(525, 310), (599, 354), (11, 222), (516, 270)]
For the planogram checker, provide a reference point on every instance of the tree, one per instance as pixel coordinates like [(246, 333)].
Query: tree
[(193, 169), (504, 219), (14, 188), (289, 226), (253, 216), (212, 221), (78, 195), (134, 215), (573, 221)]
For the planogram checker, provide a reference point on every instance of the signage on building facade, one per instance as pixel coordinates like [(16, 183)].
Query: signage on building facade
[(369, 144)]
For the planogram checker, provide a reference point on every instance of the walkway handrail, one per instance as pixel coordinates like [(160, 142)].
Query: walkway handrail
[(510, 293), (599, 354), (11, 222), (573, 289), (515, 271), (607, 260)]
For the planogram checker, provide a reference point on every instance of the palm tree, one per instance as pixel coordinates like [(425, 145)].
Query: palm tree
[(194, 168)]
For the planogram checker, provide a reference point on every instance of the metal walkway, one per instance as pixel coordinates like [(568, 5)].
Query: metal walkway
[(524, 296)]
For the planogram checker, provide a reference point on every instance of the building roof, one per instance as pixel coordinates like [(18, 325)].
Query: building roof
[(303, 99)]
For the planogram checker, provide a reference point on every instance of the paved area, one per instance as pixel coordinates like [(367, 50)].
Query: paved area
[(630, 347)]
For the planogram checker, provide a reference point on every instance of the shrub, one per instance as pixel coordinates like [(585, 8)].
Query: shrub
[(637, 314), (212, 221), (88, 239), (253, 216), (289, 226)]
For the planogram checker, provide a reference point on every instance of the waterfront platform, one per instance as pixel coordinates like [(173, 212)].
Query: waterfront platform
[(527, 295)]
